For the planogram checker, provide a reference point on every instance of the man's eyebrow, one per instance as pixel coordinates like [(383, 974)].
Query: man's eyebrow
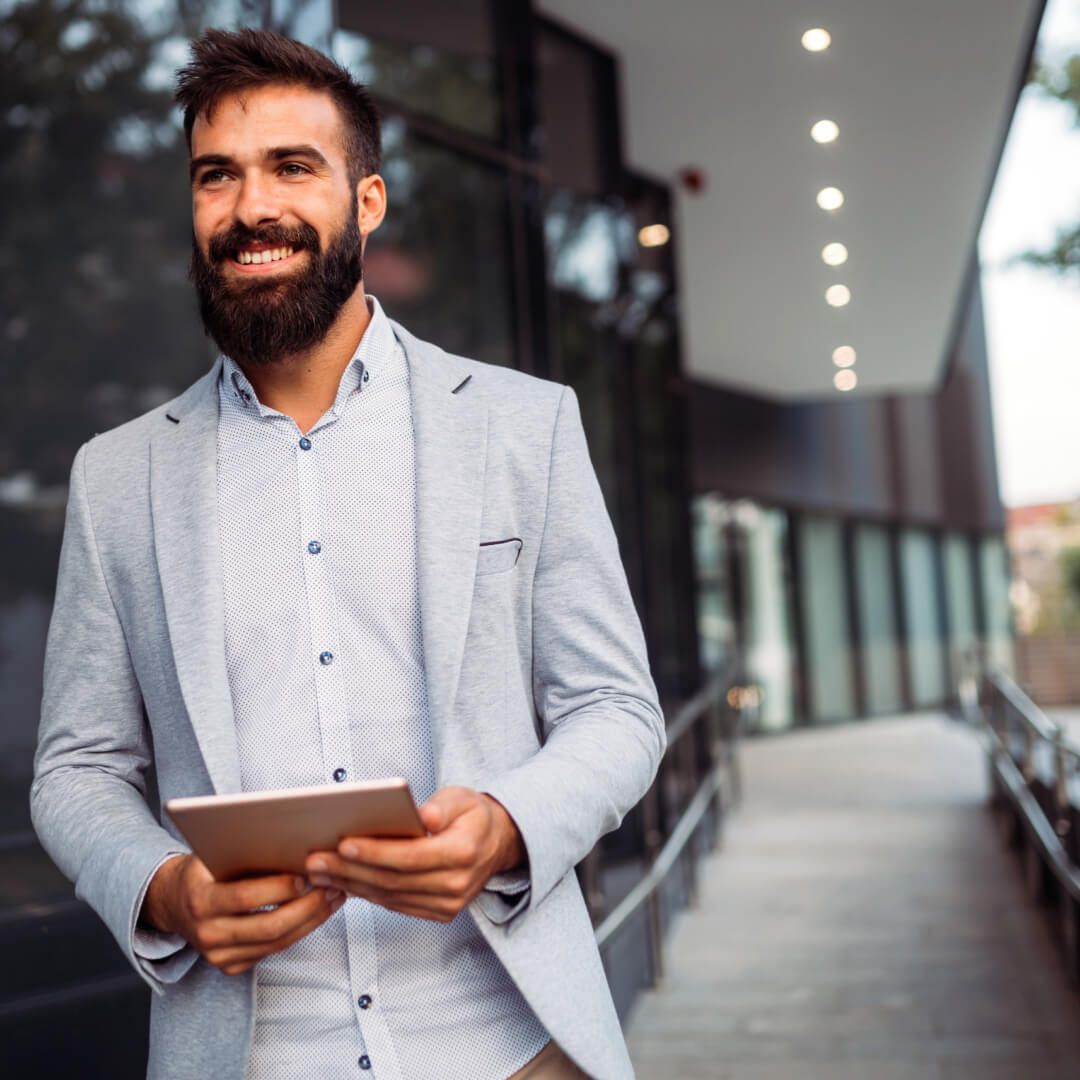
[(277, 153), (207, 159)]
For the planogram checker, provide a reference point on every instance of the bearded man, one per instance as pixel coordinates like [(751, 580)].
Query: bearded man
[(342, 554)]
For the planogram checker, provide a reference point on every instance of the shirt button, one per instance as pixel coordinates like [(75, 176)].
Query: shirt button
[(314, 547), (365, 1061), (326, 658), (340, 774), (305, 443), (364, 1001)]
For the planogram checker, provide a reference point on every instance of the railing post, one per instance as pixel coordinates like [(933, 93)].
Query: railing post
[(1063, 818), (688, 755), (653, 842), (1028, 768)]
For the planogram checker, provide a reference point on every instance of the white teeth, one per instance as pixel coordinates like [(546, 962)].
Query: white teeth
[(269, 255)]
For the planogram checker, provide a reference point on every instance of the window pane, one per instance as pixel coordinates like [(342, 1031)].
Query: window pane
[(877, 618), (960, 592), (577, 128), (766, 584), (716, 631), (824, 606), (587, 242), (427, 55), (993, 567), (922, 605), (440, 261)]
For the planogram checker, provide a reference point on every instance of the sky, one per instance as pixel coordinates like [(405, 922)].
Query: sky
[(1032, 315)]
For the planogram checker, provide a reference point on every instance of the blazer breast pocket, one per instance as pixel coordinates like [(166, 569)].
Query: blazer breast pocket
[(498, 556)]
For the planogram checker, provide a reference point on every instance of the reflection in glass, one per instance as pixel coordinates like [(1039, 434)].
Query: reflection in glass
[(994, 573), (766, 588), (440, 262), (960, 594), (922, 604), (825, 618), (877, 619), (427, 55)]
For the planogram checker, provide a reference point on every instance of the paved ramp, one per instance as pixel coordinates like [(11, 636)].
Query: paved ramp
[(863, 922)]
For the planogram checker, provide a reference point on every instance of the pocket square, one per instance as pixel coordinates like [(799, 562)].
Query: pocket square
[(496, 556)]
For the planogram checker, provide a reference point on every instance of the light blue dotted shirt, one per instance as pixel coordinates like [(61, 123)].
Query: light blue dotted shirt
[(325, 664)]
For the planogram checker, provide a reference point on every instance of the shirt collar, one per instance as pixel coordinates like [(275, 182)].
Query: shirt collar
[(370, 359)]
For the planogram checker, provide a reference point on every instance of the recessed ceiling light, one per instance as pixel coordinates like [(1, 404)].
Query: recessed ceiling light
[(816, 40), (837, 295), (843, 356), (845, 381), (834, 254), (653, 235), (825, 131), (830, 198)]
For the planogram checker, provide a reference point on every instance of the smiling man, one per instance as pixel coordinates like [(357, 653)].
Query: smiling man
[(342, 554)]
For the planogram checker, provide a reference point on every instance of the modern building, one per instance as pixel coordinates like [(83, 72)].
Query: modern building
[(752, 256)]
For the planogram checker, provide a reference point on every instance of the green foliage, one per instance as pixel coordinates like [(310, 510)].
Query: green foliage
[(1063, 84), (1070, 575)]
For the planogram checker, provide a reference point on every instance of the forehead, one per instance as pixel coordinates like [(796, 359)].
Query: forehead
[(269, 116)]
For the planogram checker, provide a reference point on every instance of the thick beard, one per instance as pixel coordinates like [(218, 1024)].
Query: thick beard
[(266, 320)]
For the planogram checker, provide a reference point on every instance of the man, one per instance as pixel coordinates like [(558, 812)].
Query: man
[(342, 554)]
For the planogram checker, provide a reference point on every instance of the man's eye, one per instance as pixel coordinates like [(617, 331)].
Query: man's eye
[(293, 168), (211, 176)]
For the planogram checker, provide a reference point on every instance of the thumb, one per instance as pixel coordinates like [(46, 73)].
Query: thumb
[(445, 806)]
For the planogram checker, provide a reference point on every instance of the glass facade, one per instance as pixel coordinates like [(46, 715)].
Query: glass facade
[(826, 626), (765, 586), (879, 635), (922, 610), (960, 591)]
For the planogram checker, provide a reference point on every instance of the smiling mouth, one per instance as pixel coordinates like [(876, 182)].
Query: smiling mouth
[(247, 257)]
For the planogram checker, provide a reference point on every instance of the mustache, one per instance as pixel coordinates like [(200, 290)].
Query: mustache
[(226, 244)]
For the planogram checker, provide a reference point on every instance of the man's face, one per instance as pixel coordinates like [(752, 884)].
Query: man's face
[(277, 225)]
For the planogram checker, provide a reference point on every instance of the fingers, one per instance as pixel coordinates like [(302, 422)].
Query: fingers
[(445, 806), (234, 960), (234, 897), (269, 927), (458, 845), (343, 873)]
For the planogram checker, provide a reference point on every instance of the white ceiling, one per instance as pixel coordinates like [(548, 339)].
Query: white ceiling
[(922, 91)]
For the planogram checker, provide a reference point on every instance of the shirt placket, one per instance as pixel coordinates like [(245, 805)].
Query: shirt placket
[(375, 1051)]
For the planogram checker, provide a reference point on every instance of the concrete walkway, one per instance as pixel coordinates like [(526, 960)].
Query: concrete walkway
[(862, 923)]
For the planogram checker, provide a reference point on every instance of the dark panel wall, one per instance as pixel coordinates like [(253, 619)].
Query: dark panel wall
[(965, 422), (923, 458)]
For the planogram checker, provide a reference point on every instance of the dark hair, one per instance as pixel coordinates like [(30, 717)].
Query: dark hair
[(230, 61)]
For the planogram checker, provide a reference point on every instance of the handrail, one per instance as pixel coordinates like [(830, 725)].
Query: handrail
[(1042, 808), (1029, 712), (720, 751)]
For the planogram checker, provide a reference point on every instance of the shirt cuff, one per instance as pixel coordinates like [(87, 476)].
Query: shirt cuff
[(166, 958)]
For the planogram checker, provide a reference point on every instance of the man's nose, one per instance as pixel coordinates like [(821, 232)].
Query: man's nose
[(256, 202)]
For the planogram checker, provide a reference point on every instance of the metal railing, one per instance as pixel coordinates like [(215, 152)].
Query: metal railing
[(698, 778), (1035, 792)]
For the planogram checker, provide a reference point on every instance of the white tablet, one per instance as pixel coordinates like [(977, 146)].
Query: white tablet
[(268, 832)]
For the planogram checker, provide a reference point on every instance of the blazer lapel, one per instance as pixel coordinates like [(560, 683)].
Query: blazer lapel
[(451, 451), (183, 496)]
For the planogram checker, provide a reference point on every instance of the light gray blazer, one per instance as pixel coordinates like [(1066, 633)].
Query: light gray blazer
[(538, 682)]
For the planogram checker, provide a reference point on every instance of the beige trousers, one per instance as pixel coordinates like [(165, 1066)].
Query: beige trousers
[(550, 1064)]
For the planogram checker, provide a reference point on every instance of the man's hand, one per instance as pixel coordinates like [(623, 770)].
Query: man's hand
[(221, 920), (433, 877)]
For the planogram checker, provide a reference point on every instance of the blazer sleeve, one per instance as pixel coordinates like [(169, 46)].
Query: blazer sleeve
[(88, 798), (603, 731)]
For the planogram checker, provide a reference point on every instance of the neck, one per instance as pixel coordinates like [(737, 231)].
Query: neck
[(304, 385)]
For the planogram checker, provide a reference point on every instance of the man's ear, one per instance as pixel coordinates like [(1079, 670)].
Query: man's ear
[(370, 203)]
